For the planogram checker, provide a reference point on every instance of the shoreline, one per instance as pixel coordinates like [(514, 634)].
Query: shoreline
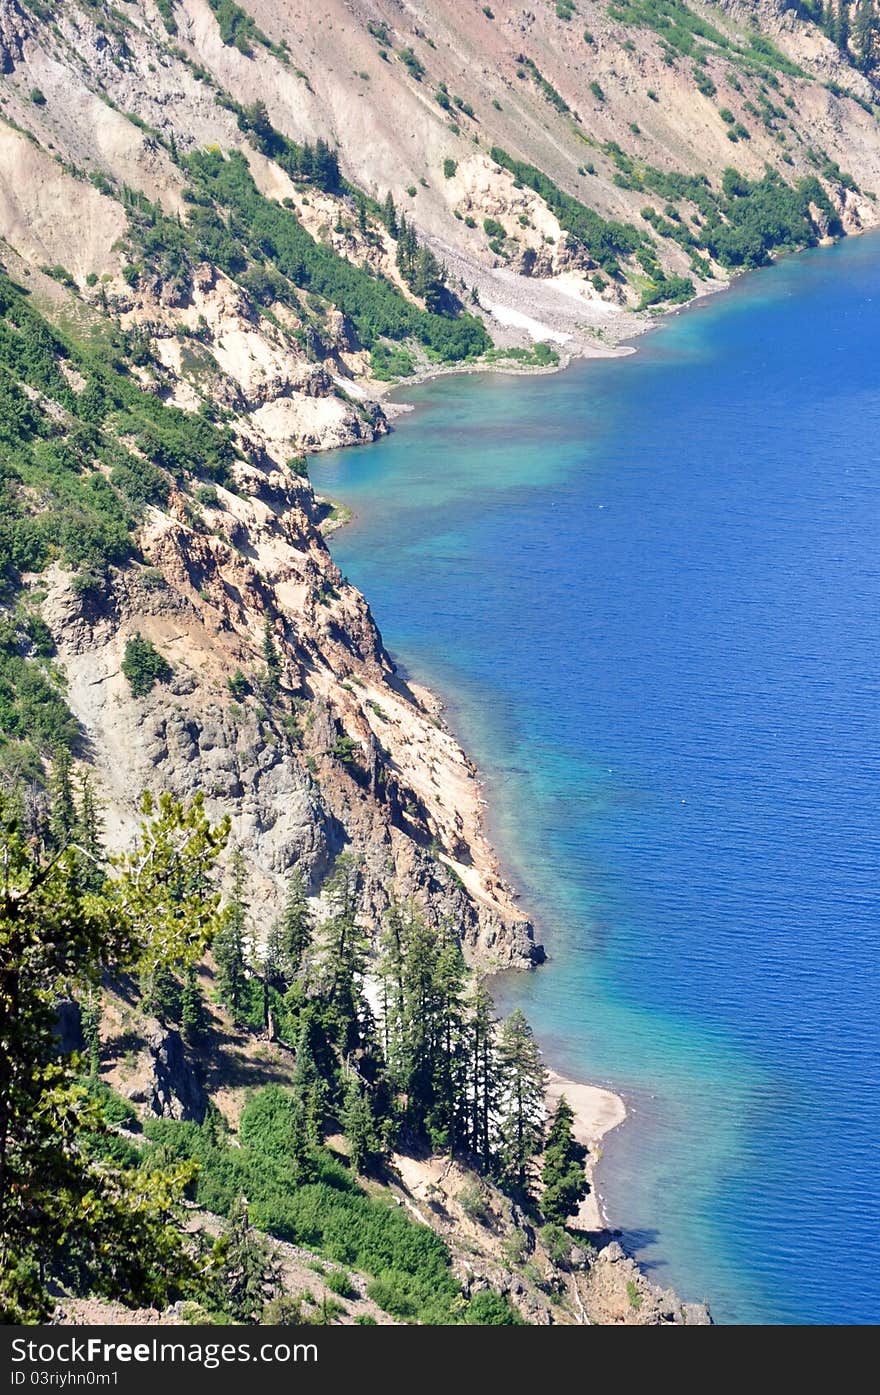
[(642, 322), (598, 1111)]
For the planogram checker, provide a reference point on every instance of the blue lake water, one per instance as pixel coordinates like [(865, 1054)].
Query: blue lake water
[(649, 591)]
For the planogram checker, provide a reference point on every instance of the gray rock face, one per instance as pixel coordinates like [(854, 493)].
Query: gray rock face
[(169, 1088), (13, 32)]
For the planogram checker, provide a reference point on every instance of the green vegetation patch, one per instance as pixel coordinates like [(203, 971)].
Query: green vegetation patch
[(257, 231), (144, 666), (311, 1200), (605, 240), (390, 361), (239, 30), (546, 88), (685, 33)]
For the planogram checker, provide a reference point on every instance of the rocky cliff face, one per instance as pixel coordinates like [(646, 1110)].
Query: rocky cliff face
[(345, 757)]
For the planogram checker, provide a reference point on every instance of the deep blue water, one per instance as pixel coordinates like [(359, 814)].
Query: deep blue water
[(648, 590)]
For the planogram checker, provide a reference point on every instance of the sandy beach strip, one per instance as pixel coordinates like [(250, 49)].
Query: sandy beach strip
[(596, 1112)]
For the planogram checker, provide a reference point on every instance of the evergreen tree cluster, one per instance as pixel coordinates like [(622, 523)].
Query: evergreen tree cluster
[(318, 164), (420, 269), (429, 1066), (853, 27), (419, 1062)]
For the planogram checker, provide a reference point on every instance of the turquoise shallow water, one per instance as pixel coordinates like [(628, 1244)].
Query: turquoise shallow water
[(648, 591)]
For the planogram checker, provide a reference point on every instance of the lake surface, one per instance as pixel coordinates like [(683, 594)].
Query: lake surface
[(649, 591)]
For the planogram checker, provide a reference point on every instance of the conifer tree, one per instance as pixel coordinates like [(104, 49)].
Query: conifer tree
[(62, 806), (230, 950), (295, 930), (483, 1089), (522, 1103), (90, 1018), (422, 976), (390, 974), (342, 957), (389, 214), (89, 836), (314, 1077), (565, 1183), (193, 1013), (448, 1119), (272, 678), (247, 1273), (359, 1124), (865, 27)]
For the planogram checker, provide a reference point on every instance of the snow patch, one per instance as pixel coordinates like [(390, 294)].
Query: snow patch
[(540, 332)]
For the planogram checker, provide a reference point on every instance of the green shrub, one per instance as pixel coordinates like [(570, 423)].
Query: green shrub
[(340, 1283), (408, 1264), (489, 1309), (144, 666), (389, 362), (238, 685), (413, 66), (449, 168), (207, 496), (166, 12)]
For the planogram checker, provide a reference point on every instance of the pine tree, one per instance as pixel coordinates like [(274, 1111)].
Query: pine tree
[(389, 214), (401, 254), (230, 942), (342, 958), (448, 1119), (247, 1273), (162, 993), (422, 976), (522, 1105), (864, 35), (62, 807), (295, 930), (390, 973), (89, 836), (90, 1018), (565, 1183), (314, 1077), (359, 1125), (272, 678), (362, 214), (193, 1013), (483, 1087)]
